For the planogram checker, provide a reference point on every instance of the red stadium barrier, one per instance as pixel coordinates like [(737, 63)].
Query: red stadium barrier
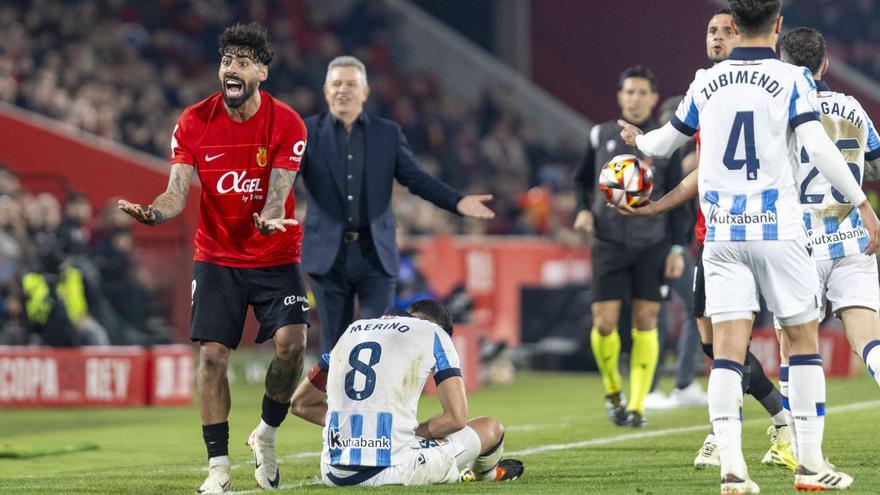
[(837, 357), (95, 376), (494, 269)]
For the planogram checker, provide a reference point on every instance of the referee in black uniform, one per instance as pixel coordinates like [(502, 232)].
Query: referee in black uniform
[(631, 257)]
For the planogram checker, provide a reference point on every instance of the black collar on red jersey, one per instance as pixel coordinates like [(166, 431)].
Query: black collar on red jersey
[(751, 53)]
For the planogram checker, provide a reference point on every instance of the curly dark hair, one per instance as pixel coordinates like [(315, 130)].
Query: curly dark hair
[(249, 40), (804, 46), (755, 17)]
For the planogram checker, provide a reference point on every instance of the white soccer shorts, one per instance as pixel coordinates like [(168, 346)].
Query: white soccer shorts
[(429, 462), (782, 271), (849, 281)]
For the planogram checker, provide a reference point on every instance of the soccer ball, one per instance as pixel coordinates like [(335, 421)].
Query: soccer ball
[(625, 181)]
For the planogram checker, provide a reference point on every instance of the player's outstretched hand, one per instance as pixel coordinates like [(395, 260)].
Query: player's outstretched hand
[(268, 226), (628, 133), (473, 205), (872, 225), (143, 214), (646, 209)]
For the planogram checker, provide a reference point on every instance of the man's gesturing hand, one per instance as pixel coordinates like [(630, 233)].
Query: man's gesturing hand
[(143, 214), (473, 206), (268, 226), (628, 133)]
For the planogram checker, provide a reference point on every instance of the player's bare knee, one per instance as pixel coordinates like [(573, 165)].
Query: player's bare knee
[(604, 323), (290, 343), (644, 315), (213, 358), (496, 430)]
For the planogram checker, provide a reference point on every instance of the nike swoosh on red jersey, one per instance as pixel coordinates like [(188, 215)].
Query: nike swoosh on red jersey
[(209, 158)]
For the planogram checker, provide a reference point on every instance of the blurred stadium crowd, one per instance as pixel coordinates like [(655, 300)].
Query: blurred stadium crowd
[(850, 28), (125, 70), (68, 277)]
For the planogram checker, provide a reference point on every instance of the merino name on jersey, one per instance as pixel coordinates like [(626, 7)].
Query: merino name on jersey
[(833, 224), (747, 168), (375, 376)]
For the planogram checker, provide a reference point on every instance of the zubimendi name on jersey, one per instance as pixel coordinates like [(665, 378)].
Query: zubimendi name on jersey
[(754, 78)]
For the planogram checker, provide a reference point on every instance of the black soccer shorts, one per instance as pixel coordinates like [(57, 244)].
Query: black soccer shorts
[(620, 272), (221, 295)]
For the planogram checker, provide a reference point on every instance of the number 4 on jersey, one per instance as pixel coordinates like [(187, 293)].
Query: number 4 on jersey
[(743, 123)]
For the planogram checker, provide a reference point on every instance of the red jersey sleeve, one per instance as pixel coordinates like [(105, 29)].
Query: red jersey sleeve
[(292, 145), (180, 150)]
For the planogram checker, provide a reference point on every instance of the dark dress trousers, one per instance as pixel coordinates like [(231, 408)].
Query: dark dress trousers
[(349, 244)]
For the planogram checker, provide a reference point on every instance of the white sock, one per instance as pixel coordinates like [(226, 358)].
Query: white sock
[(485, 464), (266, 431), (725, 412), (220, 460), (467, 443), (786, 408), (871, 356), (780, 418), (807, 400)]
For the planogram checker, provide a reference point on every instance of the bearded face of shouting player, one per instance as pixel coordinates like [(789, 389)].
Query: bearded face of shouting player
[(245, 56), (240, 76)]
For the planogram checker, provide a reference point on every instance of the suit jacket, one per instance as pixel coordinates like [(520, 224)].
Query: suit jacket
[(388, 157)]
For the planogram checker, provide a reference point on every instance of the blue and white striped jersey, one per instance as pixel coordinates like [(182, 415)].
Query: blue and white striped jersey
[(376, 374), (832, 222), (746, 109)]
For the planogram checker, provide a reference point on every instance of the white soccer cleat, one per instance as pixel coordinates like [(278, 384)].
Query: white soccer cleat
[(657, 401), (826, 478), (708, 454), (692, 395), (731, 484), (218, 480), (265, 466)]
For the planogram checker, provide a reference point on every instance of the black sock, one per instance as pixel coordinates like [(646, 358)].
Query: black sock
[(274, 412), (707, 350), (216, 439), (761, 388)]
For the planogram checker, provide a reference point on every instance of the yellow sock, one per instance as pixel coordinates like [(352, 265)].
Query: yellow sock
[(643, 362), (606, 350)]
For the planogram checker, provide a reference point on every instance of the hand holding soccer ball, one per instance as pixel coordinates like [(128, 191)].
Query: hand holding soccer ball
[(626, 182)]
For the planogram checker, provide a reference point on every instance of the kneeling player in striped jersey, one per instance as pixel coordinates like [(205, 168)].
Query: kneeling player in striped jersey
[(365, 394)]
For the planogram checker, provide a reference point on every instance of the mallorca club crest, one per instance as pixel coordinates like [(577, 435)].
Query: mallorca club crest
[(262, 159)]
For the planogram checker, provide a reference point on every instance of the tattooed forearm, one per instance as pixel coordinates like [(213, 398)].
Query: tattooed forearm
[(280, 182), (170, 203), (282, 377)]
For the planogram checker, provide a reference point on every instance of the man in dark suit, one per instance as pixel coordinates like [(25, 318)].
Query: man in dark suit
[(351, 161)]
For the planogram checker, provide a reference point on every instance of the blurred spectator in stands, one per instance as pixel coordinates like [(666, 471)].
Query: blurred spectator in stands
[(127, 295), (12, 237), (74, 233), (13, 330), (55, 301)]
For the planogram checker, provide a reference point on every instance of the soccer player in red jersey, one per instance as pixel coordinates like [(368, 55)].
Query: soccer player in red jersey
[(246, 147)]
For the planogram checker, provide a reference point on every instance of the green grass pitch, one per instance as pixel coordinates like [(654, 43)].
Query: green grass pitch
[(555, 423)]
